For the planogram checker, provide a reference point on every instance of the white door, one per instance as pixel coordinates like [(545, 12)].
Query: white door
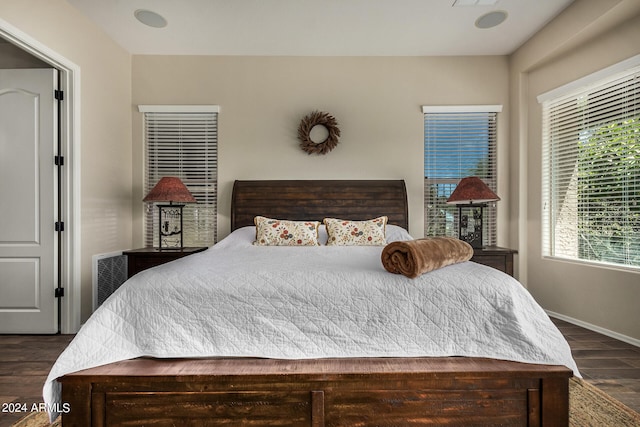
[(28, 201)]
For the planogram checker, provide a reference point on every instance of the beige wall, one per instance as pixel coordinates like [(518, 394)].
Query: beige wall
[(105, 140), (376, 101), (589, 36)]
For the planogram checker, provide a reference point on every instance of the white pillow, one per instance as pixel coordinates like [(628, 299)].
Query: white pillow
[(396, 233)]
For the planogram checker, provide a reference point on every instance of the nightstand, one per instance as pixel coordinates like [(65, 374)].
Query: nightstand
[(496, 257), (141, 259)]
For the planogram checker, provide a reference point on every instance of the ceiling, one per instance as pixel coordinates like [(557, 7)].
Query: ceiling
[(320, 27)]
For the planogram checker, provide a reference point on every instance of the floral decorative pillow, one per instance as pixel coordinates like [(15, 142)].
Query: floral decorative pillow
[(356, 233), (276, 232)]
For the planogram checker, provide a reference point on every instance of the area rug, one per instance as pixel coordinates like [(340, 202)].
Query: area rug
[(36, 419), (588, 407)]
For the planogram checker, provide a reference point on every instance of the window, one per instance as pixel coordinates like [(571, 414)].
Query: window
[(458, 142), (591, 168), (182, 141)]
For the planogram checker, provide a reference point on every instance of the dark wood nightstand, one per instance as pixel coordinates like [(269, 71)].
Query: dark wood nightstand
[(496, 257), (141, 259)]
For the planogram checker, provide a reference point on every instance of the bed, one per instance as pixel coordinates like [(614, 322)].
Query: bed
[(492, 359)]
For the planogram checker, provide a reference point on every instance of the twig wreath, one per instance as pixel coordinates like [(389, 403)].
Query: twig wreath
[(304, 133)]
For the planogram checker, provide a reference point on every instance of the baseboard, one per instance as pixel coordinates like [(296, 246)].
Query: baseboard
[(598, 329)]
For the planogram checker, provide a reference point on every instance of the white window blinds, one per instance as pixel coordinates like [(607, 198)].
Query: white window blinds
[(182, 141), (458, 142), (591, 172)]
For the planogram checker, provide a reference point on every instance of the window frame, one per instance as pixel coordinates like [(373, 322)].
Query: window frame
[(577, 101), (201, 181), (490, 214)]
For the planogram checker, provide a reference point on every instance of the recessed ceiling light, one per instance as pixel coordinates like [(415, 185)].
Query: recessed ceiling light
[(491, 19), (150, 18)]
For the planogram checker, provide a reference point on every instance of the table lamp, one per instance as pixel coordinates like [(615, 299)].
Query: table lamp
[(170, 189), (471, 195)]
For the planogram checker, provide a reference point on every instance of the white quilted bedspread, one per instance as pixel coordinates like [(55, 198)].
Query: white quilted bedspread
[(236, 299)]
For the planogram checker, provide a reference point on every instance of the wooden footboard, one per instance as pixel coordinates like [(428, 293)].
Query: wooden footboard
[(319, 392)]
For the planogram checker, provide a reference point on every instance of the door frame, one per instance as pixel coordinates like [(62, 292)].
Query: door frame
[(69, 74)]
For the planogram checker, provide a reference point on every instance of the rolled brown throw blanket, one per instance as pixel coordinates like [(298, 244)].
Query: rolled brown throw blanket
[(415, 257)]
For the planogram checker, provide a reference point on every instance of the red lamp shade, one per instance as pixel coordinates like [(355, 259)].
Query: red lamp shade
[(472, 190), (170, 189)]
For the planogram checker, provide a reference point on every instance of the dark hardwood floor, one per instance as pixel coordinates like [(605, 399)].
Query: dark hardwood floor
[(611, 365), (25, 360)]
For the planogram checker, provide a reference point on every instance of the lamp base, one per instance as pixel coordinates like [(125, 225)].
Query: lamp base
[(170, 227), (470, 224)]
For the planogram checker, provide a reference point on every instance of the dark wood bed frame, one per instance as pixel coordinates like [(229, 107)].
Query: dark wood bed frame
[(447, 391)]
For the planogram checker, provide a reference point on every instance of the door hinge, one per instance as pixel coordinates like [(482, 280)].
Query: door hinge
[(58, 94), (59, 226), (59, 292), (59, 160)]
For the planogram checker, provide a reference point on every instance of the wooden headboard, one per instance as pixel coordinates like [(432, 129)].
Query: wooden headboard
[(316, 199)]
